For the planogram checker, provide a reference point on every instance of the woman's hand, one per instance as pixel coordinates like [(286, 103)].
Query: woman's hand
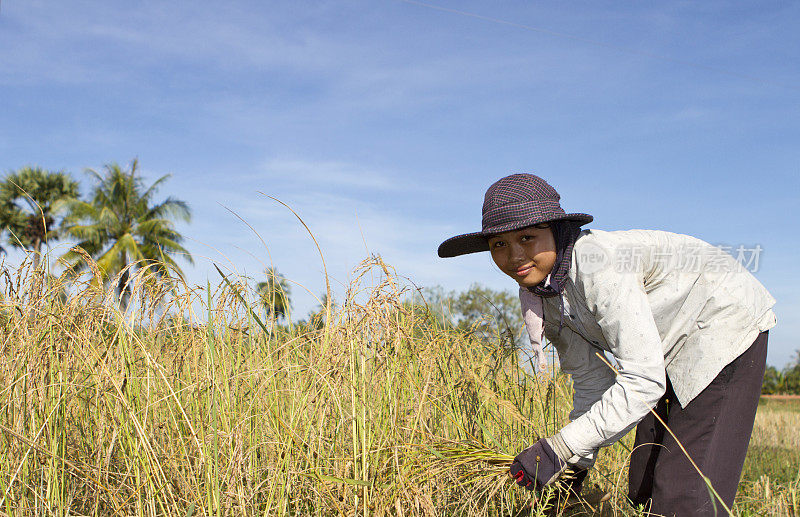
[(537, 466)]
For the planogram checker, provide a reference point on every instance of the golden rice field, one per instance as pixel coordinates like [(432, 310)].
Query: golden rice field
[(376, 410)]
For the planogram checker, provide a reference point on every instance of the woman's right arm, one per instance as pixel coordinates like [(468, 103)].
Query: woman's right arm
[(591, 377)]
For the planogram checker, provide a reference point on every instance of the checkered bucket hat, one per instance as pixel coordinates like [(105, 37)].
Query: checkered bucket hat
[(513, 202)]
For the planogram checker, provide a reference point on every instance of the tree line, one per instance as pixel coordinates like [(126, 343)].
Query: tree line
[(122, 226), (119, 223), (785, 381)]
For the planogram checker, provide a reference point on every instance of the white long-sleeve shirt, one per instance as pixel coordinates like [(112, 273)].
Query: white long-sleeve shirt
[(662, 304)]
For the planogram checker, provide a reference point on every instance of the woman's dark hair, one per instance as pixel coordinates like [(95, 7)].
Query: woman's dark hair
[(562, 233)]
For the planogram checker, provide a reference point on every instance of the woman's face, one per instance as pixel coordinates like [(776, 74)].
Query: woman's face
[(526, 255)]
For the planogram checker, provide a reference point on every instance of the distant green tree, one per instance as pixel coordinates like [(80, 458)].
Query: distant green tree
[(274, 294), (437, 303), (786, 381), (792, 376), (28, 206), (121, 225), (488, 311), (774, 381)]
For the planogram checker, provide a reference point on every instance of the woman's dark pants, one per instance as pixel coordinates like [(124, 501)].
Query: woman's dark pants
[(714, 428)]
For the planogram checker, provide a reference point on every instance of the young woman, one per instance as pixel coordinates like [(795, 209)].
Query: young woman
[(685, 322)]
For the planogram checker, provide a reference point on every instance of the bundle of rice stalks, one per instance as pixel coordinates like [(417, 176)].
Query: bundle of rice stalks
[(484, 472), (476, 475), (475, 461)]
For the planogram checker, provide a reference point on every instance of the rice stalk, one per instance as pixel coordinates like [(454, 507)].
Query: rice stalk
[(190, 403)]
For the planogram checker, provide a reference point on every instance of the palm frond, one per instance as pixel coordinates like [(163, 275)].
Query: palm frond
[(119, 225)]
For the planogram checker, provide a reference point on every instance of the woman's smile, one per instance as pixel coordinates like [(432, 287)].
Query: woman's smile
[(526, 255), (523, 271)]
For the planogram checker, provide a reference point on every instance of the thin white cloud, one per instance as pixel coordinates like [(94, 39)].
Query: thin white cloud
[(318, 175), (348, 229), (124, 45), (65, 43)]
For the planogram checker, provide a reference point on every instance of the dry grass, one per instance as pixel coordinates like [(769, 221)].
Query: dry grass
[(771, 476), (379, 412)]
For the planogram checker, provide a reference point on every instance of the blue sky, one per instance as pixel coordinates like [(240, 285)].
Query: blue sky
[(382, 123)]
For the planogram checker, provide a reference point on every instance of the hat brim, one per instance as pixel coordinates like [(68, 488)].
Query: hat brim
[(478, 241)]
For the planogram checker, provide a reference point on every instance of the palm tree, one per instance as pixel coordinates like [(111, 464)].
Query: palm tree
[(316, 318), (28, 206), (121, 227), (274, 294)]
